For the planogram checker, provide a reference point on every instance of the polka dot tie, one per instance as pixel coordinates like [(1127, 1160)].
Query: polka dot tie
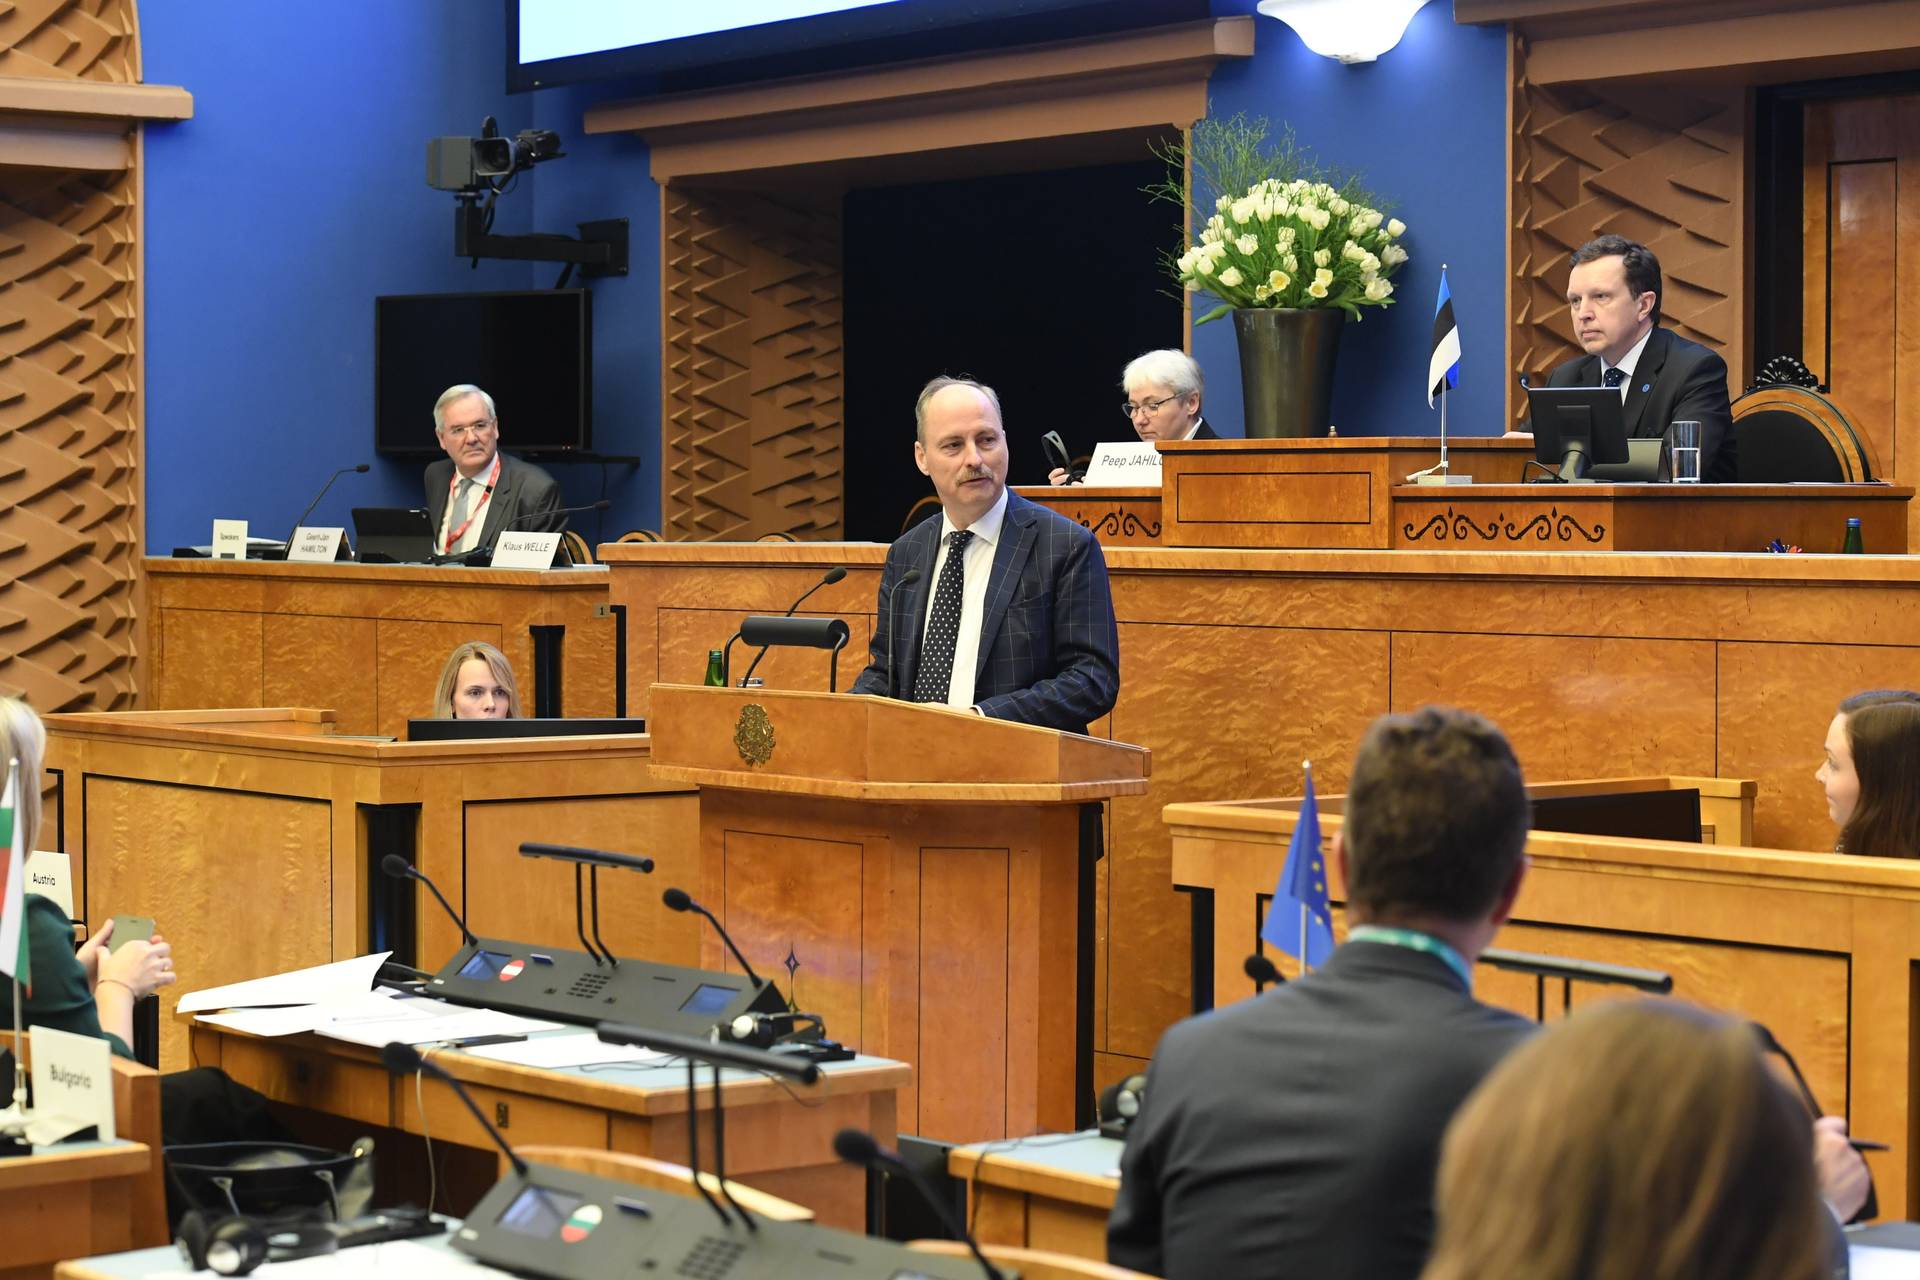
[(1614, 377), (943, 624)]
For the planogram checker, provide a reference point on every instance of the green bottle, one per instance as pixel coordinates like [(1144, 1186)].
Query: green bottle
[(1853, 545), (718, 678)]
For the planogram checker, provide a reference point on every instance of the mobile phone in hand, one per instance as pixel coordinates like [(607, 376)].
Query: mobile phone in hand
[(129, 929)]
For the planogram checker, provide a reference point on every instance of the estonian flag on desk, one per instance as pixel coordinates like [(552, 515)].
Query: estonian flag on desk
[(1300, 903), (1443, 367)]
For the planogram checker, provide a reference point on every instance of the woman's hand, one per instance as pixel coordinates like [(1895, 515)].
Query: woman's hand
[(1059, 477), (91, 950), (141, 967)]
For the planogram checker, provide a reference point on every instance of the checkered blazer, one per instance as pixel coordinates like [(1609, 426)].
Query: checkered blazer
[(1049, 647)]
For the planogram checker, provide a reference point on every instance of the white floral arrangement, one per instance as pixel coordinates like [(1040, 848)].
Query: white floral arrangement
[(1293, 244), (1280, 234)]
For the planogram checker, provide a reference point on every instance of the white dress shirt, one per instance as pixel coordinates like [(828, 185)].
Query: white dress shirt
[(977, 561), (1627, 362)]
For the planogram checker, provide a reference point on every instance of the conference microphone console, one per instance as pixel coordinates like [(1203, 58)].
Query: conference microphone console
[(570, 986), (573, 1226)]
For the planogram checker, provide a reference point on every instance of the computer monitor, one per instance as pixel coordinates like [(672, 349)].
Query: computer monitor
[(435, 730), (393, 535), (1635, 815), (1577, 426)]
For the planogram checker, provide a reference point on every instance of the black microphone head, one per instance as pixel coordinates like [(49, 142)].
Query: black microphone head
[(856, 1146), (401, 1059), (396, 866), (601, 505), (833, 575), (362, 469), (1261, 969), (677, 900), (908, 578)]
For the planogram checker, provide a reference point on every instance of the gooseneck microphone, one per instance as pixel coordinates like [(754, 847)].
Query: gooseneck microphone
[(1261, 970), (857, 1147), (404, 1059), (361, 469), (400, 869), (832, 576), (907, 579), (681, 900), (525, 516)]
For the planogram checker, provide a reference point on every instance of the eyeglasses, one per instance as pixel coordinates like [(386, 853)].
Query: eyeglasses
[(1149, 407), (479, 428)]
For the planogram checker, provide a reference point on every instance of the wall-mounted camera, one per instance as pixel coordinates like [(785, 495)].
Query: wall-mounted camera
[(474, 164), (479, 171)]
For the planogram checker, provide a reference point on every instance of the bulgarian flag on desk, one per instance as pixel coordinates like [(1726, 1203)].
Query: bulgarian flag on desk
[(13, 888)]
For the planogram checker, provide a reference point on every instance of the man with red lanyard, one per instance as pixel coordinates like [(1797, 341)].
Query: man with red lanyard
[(479, 491)]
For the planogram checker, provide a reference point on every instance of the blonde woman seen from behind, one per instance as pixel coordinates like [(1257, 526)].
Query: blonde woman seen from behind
[(1638, 1140)]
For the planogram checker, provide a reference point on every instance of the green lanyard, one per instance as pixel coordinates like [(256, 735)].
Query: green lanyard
[(1391, 936)]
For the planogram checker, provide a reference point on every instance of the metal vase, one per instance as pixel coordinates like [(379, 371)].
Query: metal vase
[(1286, 369)]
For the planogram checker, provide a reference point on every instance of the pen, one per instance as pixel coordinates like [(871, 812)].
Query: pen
[(1867, 1144)]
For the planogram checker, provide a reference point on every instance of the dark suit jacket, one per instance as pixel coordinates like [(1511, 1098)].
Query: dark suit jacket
[(523, 490), (1674, 381), (1203, 432), (1298, 1133), (1049, 647)]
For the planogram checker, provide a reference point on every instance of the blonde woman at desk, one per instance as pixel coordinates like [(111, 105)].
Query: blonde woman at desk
[(476, 684), (1872, 774)]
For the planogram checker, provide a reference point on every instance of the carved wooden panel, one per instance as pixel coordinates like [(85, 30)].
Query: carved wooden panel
[(1861, 268), (751, 394), (1660, 164), (69, 451)]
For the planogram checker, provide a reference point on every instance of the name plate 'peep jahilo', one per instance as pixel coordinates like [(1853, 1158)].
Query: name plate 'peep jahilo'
[(1131, 465)]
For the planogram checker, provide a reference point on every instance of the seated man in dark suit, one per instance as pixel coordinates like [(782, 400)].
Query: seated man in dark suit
[(1614, 292), (1297, 1133), (999, 605), (1164, 389), (479, 491)]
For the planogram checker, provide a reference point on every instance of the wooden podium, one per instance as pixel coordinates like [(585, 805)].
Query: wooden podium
[(915, 875)]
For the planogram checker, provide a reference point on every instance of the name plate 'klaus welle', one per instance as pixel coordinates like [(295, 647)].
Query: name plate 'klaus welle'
[(525, 550)]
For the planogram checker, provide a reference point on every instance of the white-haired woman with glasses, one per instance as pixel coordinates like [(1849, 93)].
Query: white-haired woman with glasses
[(1164, 389)]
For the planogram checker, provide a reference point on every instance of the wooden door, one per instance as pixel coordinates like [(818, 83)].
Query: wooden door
[(1861, 202)]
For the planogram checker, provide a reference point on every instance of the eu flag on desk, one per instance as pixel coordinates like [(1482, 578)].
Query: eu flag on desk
[(1301, 895)]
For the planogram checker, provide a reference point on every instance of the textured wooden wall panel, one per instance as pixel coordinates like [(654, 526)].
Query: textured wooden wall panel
[(1660, 165), (69, 452), (752, 394)]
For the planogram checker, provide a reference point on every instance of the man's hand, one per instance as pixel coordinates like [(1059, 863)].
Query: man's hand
[(1842, 1171)]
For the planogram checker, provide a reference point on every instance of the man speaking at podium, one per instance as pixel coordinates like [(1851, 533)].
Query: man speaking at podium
[(479, 491), (1000, 605)]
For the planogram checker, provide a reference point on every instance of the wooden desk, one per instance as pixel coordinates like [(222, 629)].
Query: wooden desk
[(1119, 517), (254, 839), (1820, 947), (68, 1200), (1649, 517), (1331, 492), (779, 1135), (367, 639), (1051, 1192), (1236, 665)]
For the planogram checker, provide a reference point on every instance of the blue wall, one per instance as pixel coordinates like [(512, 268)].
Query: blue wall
[(293, 197), (1425, 127)]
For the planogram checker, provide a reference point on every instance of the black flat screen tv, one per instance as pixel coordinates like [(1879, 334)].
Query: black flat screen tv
[(531, 350)]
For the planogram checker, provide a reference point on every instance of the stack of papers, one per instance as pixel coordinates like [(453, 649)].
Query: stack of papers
[(337, 1000)]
